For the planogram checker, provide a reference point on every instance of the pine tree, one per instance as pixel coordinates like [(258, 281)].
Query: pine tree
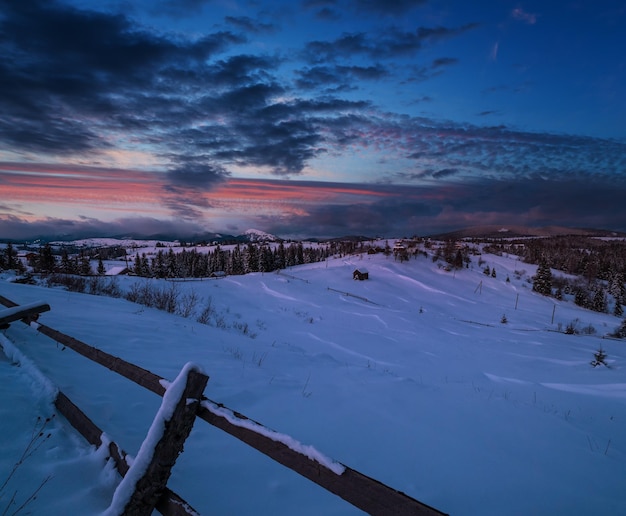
[(599, 302), (158, 265), (458, 260), (172, 265), (145, 266), (138, 270), (280, 257), (85, 266), (616, 286), (101, 269), (291, 256), (265, 259), (252, 258), (11, 257), (46, 259), (299, 254), (542, 282), (236, 260), (66, 264), (581, 298)]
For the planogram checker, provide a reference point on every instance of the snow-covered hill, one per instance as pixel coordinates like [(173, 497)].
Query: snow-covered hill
[(256, 235), (410, 377)]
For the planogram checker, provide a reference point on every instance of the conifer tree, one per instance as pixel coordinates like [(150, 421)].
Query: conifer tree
[(10, 257), (237, 265), (138, 270), (46, 259), (85, 266), (101, 269), (599, 302), (66, 264), (458, 260), (542, 282)]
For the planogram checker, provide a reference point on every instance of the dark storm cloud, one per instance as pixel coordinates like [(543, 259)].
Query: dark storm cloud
[(12, 227), (73, 76), (445, 172), (327, 14), (386, 44), (389, 216), (378, 7), (242, 69), (62, 65), (387, 7), (179, 8), (285, 146), (444, 61), (49, 131), (282, 136), (404, 210), (423, 73), (248, 24), (75, 81), (338, 78), (193, 172), (541, 202), (315, 4), (501, 152)]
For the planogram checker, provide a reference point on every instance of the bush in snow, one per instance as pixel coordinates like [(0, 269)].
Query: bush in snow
[(620, 332)]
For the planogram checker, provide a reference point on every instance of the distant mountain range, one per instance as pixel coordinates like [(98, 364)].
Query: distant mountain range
[(250, 235), (507, 231), (258, 236)]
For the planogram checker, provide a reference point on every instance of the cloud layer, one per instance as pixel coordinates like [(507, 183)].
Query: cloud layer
[(82, 87)]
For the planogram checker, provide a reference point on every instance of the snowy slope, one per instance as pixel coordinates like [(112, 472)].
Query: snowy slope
[(411, 378)]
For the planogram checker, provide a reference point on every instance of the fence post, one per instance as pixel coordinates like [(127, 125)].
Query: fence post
[(151, 484)]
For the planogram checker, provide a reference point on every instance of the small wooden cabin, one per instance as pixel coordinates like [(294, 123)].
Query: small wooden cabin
[(360, 274)]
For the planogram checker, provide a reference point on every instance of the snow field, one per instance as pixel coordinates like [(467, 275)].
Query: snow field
[(419, 385)]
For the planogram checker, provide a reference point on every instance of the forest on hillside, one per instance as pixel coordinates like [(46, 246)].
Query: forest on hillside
[(593, 270)]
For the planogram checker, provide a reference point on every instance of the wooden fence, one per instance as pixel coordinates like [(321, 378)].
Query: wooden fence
[(362, 491)]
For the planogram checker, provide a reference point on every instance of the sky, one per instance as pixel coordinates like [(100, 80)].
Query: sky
[(312, 118)]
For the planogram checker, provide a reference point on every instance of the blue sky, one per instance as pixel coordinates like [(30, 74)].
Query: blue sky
[(312, 118)]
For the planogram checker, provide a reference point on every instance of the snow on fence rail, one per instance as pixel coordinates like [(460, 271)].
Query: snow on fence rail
[(362, 491)]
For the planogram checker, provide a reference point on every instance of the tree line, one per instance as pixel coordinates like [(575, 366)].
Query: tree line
[(598, 268), (241, 259)]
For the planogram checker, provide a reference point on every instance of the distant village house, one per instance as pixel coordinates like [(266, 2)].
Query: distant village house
[(360, 274), (117, 271)]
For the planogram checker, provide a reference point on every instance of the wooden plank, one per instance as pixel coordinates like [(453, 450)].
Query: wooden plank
[(30, 312), (153, 481), (169, 503), (363, 492), (137, 374)]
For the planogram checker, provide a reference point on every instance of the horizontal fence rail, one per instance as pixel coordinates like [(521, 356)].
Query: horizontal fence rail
[(366, 493)]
